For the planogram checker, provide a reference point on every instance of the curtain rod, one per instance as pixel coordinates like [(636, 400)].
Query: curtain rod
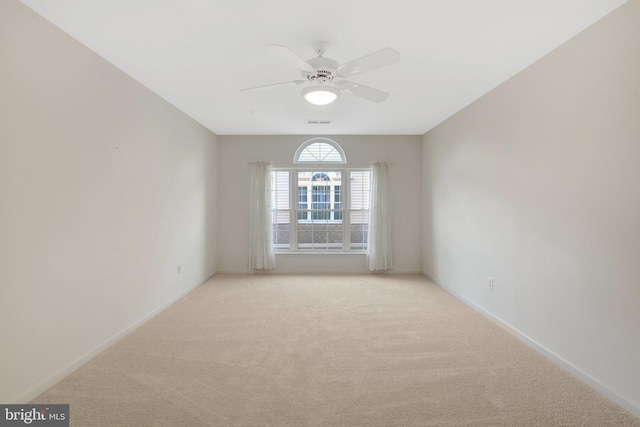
[(321, 165)]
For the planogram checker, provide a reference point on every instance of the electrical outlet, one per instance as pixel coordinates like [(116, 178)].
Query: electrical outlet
[(490, 283), (179, 269)]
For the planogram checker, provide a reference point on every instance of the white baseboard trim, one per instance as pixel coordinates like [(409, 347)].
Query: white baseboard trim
[(592, 382), (289, 273), (43, 386)]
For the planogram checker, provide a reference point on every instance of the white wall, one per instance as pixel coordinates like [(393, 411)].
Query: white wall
[(90, 236), (537, 184), (236, 152)]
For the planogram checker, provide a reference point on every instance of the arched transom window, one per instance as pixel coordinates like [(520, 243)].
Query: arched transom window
[(319, 150)]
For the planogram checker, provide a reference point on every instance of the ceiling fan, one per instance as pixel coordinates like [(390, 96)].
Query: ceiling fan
[(324, 77)]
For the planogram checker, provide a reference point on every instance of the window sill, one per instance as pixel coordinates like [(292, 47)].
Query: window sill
[(320, 253)]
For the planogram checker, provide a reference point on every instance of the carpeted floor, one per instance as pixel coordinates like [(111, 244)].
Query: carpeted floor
[(362, 350)]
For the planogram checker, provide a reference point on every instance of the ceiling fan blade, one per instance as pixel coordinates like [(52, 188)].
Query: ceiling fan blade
[(365, 92), (293, 82), (292, 57), (378, 59)]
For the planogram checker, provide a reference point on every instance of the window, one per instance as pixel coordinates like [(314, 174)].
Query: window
[(359, 209), (319, 150), (281, 209), (303, 205), (323, 189), (320, 207)]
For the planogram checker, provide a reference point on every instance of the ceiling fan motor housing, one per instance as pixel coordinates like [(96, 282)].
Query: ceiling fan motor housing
[(325, 69)]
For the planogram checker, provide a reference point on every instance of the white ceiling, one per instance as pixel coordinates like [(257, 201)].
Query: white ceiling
[(198, 54)]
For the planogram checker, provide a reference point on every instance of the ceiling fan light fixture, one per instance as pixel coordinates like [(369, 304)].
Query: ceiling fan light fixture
[(320, 94)]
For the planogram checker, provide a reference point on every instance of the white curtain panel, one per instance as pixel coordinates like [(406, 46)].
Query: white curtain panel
[(261, 255), (380, 252)]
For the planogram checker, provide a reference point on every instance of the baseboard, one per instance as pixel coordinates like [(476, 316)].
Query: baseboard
[(43, 386), (592, 382), (288, 273)]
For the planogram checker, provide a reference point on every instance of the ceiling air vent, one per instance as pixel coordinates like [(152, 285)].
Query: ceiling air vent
[(319, 122)]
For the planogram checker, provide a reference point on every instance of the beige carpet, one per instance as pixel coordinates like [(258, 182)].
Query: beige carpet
[(366, 350)]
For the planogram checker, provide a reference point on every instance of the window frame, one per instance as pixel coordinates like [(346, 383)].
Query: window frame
[(345, 209), (306, 144)]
